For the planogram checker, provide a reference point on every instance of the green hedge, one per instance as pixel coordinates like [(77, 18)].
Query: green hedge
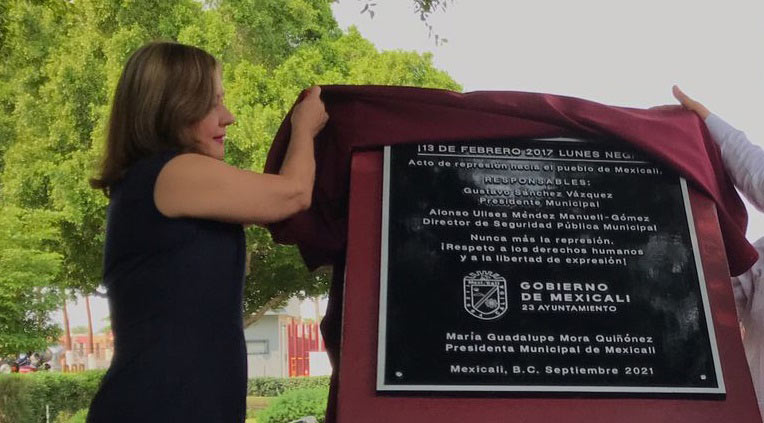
[(23, 396), (275, 386), (295, 404), (78, 417), (14, 406)]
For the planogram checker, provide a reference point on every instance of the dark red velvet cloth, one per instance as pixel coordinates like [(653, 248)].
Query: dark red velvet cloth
[(367, 117)]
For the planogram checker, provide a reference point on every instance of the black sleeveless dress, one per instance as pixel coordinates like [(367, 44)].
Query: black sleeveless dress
[(175, 292)]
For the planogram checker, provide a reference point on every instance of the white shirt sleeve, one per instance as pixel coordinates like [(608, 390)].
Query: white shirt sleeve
[(744, 161), (745, 287), (749, 300), (745, 164)]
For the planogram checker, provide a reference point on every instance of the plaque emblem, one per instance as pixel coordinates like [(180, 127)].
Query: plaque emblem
[(485, 295)]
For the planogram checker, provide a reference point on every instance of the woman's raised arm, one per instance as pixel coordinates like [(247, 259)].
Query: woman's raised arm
[(195, 185)]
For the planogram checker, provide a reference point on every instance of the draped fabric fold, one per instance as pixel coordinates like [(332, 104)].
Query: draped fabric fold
[(369, 117)]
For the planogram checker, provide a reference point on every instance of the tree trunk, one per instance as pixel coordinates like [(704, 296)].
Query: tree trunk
[(252, 318), (90, 326), (67, 331)]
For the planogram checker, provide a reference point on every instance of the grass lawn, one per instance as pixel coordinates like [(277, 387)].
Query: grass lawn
[(258, 403), (255, 404)]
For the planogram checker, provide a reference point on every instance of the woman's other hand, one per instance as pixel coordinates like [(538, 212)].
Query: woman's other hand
[(690, 104), (193, 185)]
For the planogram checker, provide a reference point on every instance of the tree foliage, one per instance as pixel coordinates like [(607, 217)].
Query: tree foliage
[(28, 289), (60, 63)]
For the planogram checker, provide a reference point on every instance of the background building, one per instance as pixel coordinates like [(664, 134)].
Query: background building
[(283, 344)]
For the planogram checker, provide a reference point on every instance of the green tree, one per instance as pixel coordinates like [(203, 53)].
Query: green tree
[(269, 31), (61, 62), (28, 289)]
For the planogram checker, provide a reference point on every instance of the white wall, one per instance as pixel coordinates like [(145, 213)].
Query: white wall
[(266, 354)]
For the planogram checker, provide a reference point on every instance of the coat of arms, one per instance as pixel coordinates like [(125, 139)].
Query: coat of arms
[(485, 295)]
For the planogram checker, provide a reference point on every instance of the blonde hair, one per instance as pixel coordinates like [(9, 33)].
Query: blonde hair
[(164, 88)]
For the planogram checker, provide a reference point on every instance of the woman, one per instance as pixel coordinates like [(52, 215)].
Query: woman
[(174, 250), (745, 164)]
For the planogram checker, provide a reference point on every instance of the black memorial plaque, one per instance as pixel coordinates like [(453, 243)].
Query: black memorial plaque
[(540, 266)]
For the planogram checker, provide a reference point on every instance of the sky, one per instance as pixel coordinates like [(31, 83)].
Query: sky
[(621, 53)]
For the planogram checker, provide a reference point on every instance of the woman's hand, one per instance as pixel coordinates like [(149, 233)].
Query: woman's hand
[(193, 185), (309, 115), (690, 104)]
